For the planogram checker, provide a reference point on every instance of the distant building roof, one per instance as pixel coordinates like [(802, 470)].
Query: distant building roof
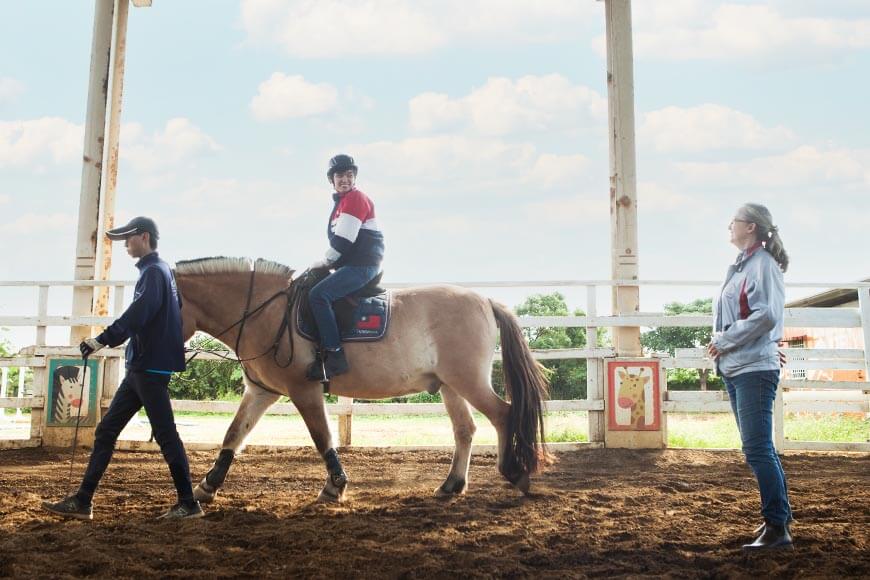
[(827, 299)]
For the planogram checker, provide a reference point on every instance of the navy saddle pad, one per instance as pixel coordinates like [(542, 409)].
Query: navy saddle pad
[(360, 318)]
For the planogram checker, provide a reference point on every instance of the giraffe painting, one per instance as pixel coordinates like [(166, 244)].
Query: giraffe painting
[(632, 396)]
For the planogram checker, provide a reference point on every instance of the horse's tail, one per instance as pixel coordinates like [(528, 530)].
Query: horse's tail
[(526, 386)]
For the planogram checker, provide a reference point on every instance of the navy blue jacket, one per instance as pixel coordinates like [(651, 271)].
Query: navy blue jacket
[(152, 322)]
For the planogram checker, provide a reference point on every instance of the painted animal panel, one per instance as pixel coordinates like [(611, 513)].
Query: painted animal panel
[(69, 402), (632, 395)]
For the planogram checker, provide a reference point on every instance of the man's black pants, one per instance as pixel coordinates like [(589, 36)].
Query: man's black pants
[(139, 389)]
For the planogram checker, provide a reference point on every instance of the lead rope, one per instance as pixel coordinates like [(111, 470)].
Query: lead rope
[(78, 420)]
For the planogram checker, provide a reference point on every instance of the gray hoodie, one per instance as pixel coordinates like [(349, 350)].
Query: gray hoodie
[(748, 314)]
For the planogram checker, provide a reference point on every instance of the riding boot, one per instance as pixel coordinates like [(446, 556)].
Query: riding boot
[(772, 536), (335, 363)]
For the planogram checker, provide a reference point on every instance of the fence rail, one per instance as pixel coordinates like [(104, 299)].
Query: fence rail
[(796, 395)]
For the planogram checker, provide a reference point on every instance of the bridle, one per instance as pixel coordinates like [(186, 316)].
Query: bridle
[(292, 293)]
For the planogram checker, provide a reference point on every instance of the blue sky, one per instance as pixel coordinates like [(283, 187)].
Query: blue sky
[(479, 127)]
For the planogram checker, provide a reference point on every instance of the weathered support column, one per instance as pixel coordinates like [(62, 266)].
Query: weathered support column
[(623, 176), (92, 166), (108, 198), (642, 423)]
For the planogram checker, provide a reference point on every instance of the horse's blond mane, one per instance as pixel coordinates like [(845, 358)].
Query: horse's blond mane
[(224, 265)]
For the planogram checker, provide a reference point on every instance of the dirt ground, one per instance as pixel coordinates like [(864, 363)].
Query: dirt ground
[(595, 513)]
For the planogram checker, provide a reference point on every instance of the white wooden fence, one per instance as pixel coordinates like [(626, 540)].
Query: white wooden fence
[(795, 395)]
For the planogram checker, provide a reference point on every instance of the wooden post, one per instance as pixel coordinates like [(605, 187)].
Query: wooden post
[(345, 421), (623, 203), (22, 372), (623, 187), (42, 312), (108, 198), (113, 366), (92, 166), (779, 420), (864, 306), (594, 382), (37, 415), (4, 379)]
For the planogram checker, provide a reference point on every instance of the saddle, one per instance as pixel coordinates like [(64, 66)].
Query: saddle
[(362, 316)]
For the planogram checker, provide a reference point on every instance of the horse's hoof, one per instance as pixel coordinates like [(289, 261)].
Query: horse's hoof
[(451, 488), (523, 483), (441, 493), (328, 496), (201, 495)]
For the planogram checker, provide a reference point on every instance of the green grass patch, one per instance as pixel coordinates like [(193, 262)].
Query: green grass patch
[(689, 430), (827, 427), (702, 431)]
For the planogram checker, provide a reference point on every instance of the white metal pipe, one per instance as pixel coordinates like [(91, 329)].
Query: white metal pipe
[(107, 221), (92, 163)]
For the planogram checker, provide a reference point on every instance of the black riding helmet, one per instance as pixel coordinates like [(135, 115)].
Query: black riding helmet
[(339, 163)]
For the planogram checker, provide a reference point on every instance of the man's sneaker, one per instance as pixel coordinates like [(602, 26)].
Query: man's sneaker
[(183, 511), (70, 507)]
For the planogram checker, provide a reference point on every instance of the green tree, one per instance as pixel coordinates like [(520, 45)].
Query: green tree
[(5, 345), (668, 339), (7, 349), (568, 376), (208, 379)]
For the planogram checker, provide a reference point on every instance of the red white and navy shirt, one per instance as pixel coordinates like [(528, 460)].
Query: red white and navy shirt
[(354, 236)]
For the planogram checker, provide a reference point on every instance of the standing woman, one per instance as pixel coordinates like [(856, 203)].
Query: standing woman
[(748, 323)]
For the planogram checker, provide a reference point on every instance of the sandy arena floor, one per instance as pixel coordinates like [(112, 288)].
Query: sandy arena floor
[(595, 513)]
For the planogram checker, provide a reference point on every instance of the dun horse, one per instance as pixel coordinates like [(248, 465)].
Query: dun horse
[(440, 337)]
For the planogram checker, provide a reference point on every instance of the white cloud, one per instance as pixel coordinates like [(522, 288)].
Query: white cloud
[(551, 170), (453, 164), (709, 127), (584, 207), (502, 106), (179, 141), (285, 97), (706, 29), (443, 157), (333, 28), (4, 199), (801, 168), (39, 140), (10, 89), (33, 223), (655, 197)]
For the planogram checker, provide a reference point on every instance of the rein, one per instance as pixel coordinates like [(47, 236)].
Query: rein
[(292, 294)]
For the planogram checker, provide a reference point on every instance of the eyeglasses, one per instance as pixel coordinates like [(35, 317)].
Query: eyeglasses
[(735, 220)]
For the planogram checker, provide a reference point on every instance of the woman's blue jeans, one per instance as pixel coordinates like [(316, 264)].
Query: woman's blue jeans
[(343, 282), (752, 395)]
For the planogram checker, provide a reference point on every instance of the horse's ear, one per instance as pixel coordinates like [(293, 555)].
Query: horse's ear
[(622, 374)]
